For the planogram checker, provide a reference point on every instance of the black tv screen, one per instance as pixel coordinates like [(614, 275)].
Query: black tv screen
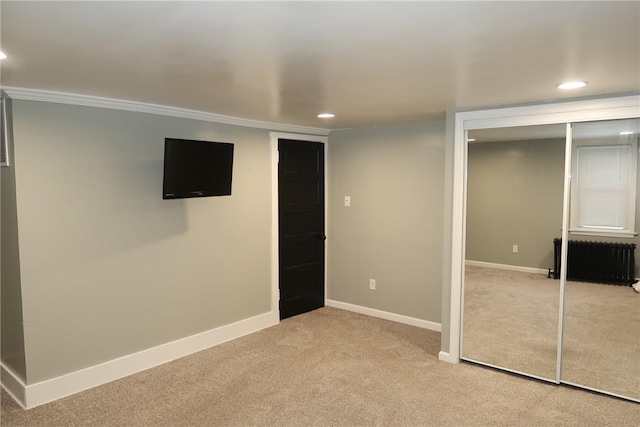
[(196, 168)]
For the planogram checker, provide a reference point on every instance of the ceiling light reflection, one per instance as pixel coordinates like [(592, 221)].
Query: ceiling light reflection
[(571, 85)]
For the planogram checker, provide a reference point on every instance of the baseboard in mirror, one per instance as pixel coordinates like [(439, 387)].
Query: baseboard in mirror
[(93, 376), (425, 324), (506, 267)]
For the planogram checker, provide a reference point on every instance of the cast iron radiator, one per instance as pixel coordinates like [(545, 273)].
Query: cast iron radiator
[(600, 262)]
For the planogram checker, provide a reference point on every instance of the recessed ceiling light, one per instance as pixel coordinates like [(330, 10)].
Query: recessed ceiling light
[(626, 132), (571, 85), (326, 115), (2, 55)]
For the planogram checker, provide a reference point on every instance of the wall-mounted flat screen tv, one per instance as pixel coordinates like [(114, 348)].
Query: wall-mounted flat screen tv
[(196, 168)]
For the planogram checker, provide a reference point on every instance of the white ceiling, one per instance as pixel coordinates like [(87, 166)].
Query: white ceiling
[(371, 63)]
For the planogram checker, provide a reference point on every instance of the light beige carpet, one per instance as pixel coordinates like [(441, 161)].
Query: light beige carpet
[(327, 368), (511, 318)]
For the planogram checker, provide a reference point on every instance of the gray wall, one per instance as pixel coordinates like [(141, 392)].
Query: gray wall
[(393, 230), (12, 334), (109, 268), (514, 197)]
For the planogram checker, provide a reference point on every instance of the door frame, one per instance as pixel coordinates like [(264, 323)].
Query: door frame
[(275, 237), (562, 112)]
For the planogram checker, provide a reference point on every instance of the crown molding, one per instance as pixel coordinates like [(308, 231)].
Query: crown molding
[(162, 110)]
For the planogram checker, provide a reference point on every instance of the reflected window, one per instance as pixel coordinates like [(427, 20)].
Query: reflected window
[(603, 190)]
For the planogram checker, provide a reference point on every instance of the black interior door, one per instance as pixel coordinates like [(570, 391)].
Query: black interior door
[(301, 226)]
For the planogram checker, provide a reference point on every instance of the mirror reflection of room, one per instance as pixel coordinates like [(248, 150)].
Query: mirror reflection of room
[(601, 339), (514, 211), (514, 225)]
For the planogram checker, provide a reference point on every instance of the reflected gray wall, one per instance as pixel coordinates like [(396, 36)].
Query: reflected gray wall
[(12, 334), (501, 213), (108, 268), (393, 230), (514, 197)]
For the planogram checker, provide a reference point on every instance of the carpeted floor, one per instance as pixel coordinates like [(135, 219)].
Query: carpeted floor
[(328, 367), (511, 318)]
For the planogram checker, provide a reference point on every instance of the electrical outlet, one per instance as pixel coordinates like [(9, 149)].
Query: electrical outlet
[(372, 284), (515, 249), (347, 201)]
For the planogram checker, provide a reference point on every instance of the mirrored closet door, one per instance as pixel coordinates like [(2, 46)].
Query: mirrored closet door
[(601, 333), (514, 206), (549, 234)]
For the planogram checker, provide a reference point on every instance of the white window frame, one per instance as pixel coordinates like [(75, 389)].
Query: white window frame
[(628, 229)]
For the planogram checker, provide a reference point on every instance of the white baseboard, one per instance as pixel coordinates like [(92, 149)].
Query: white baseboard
[(12, 384), (433, 326), (446, 357), (507, 267), (74, 382)]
